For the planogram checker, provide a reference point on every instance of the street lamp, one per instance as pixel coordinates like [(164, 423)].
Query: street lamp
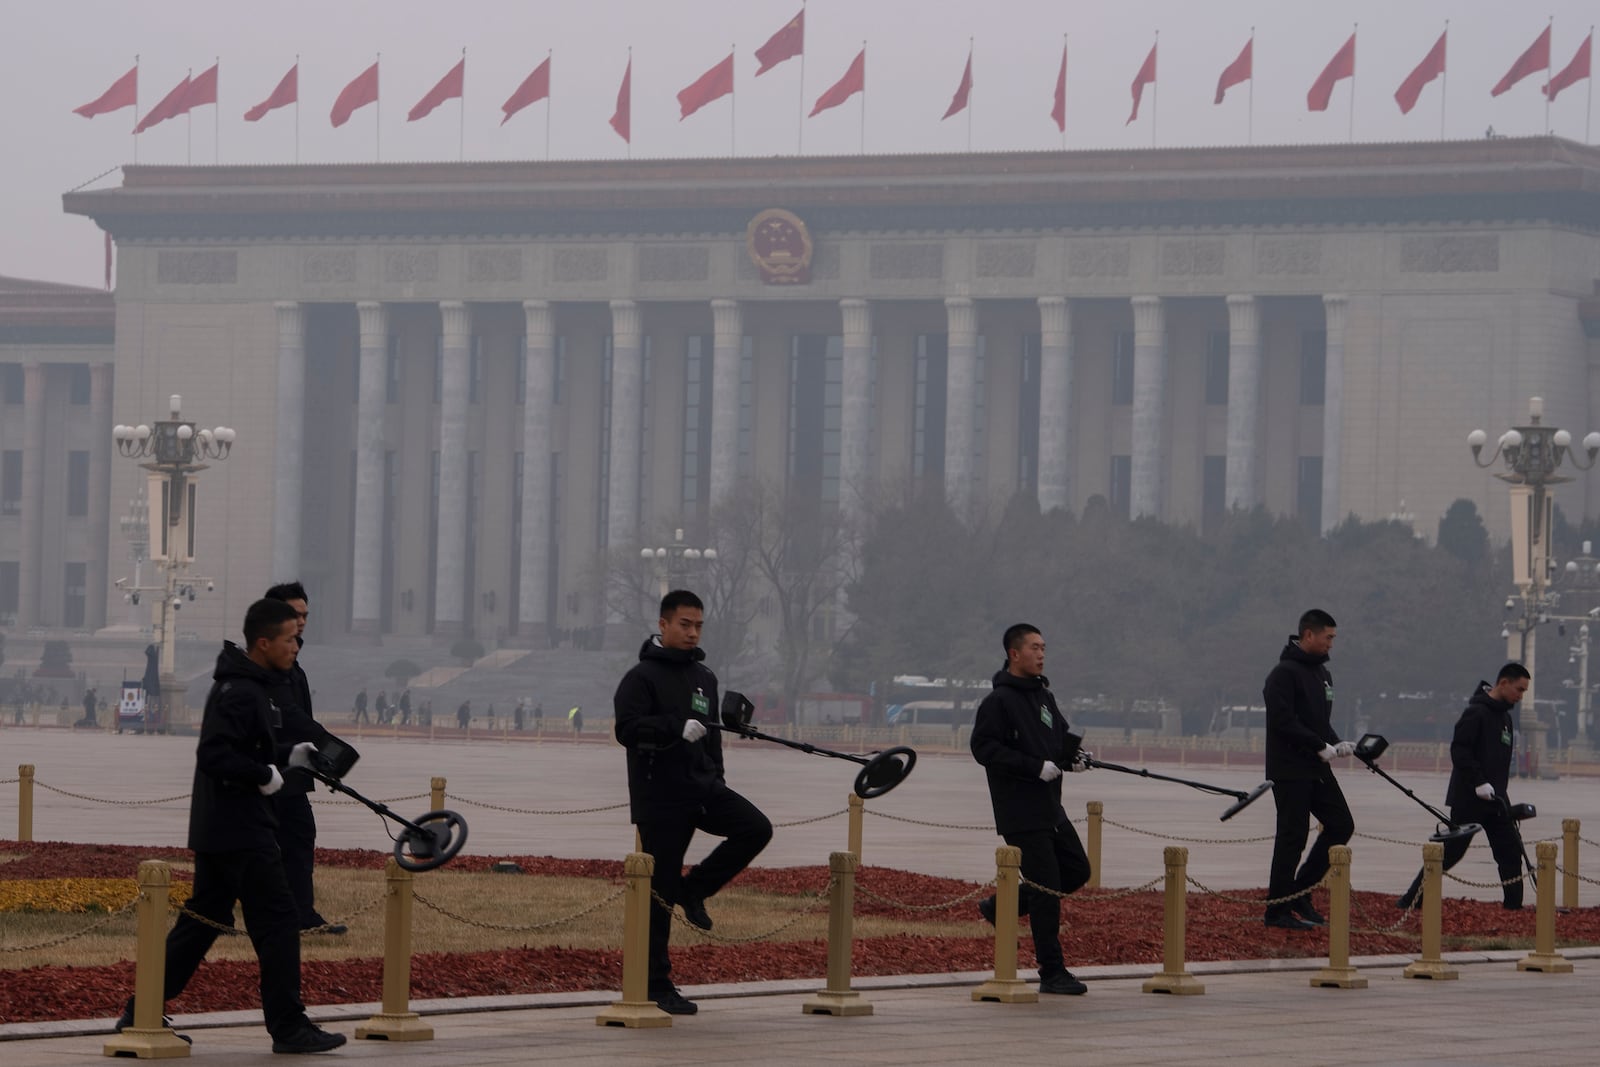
[(173, 449), (676, 559), (136, 531), (1532, 455)]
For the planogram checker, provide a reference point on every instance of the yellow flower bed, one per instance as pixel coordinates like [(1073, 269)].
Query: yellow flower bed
[(75, 894)]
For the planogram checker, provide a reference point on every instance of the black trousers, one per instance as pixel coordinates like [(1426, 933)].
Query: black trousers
[(727, 815), (1053, 858), (256, 880), (1504, 842), (297, 841), (1297, 801)]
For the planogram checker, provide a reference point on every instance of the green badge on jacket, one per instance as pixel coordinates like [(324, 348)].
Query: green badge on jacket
[(700, 705), (1045, 716), (1327, 691), (1505, 735)]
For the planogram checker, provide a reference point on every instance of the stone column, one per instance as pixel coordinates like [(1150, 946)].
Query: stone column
[(727, 348), (450, 573), (366, 579), (1055, 402), (961, 382), (289, 454), (627, 383), (1244, 401), (855, 410), (538, 398), (28, 613), (97, 583), (1333, 307), (1149, 406)]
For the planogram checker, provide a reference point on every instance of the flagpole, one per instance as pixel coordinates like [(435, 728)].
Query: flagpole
[(629, 140), (188, 126), (863, 97), (1589, 109), (1355, 29), (1444, 78), (216, 119), (1250, 118), (1548, 52), (800, 127), (1155, 92), (1065, 39), (549, 71), (297, 108), (136, 108), (461, 124), (377, 115), (969, 96)]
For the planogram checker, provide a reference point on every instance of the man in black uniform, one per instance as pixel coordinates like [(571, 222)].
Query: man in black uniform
[(233, 825), (1020, 737), (1480, 767), (676, 784), (1301, 745), (297, 826)]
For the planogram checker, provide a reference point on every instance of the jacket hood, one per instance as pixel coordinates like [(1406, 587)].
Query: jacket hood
[(233, 663), (653, 649), (1293, 653), (1003, 677), (1482, 698)]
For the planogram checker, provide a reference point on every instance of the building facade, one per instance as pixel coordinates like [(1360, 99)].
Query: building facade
[(456, 385)]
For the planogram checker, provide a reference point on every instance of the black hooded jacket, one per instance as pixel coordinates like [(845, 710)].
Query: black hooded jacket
[(238, 747), (1299, 700), (1481, 749), (291, 692), (1018, 727), (668, 776)]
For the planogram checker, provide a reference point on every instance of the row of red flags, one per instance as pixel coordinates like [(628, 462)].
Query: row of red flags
[(789, 42)]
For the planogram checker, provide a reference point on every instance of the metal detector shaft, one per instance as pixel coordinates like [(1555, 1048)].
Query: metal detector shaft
[(1429, 808), (1237, 794), (382, 809), (799, 746)]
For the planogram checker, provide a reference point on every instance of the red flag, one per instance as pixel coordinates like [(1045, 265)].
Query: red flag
[(1059, 110), (963, 91), (202, 89), (1431, 67), (1238, 72), (712, 85), (170, 107), (450, 87), (853, 82), (358, 94), (287, 92), (1537, 57), (534, 87), (1573, 72), (1341, 66), (785, 44), (622, 118), (1146, 76), (124, 92)]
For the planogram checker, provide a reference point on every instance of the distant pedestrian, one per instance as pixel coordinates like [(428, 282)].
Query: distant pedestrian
[(361, 706), (488, 713), (464, 714), (516, 717), (381, 706), (405, 707), (89, 706), (538, 718), (575, 717)]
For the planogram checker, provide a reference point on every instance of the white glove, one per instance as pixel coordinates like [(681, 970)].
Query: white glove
[(1485, 791), (693, 730), (1344, 748), (1078, 765), (272, 786), (300, 755), (1049, 772), (1327, 753)]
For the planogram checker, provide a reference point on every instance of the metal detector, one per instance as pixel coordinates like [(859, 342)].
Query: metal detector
[(1516, 813), (880, 772), (1242, 799), (431, 841), (1369, 748)]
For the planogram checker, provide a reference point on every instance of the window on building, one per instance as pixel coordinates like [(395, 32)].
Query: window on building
[(433, 540), (514, 595), (474, 369), (77, 484), (1122, 368), (11, 383), (603, 483), (1214, 492), (10, 589), (1217, 367), (391, 510), (747, 406), (643, 502), (1308, 497), (391, 387), (816, 390), (1121, 485), (74, 595), (1313, 366), (696, 424), (1028, 417), (78, 384), (522, 368), (980, 391), (560, 370), (438, 367), (10, 482), (928, 412)]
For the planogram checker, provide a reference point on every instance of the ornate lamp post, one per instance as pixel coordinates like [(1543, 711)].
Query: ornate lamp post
[(1532, 455), (174, 450), (136, 531), (675, 560)]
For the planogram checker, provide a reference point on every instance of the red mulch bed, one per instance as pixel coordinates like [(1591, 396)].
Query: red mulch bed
[(1100, 927)]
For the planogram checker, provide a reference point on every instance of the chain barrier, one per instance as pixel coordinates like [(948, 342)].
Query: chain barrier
[(64, 938), (384, 800), (1580, 877), (519, 928), (1393, 929), (814, 818), (1264, 902), (9, 781), (923, 822), (119, 803), (1108, 895), (530, 811), (1585, 840), (1388, 840), (1197, 840), (227, 929), (763, 936), (1488, 885), (942, 906), (371, 903)]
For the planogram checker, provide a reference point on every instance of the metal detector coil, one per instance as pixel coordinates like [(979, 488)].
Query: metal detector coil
[(880, 772), (1369, 748), (431, 841)]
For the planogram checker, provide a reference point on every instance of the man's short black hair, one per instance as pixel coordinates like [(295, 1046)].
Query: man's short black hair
[(1316, 620), (287, 591), (265, 618), (1512, 672), (679, 598), (1016, 634)]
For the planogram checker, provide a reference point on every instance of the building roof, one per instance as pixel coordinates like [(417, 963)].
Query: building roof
[(34, 311), (1445, 181)]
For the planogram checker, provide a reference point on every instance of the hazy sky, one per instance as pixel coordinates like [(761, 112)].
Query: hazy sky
[(66, 53)]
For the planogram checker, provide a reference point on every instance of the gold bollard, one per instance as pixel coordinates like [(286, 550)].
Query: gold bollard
[(1569, 862), (1432, 965), (838, 998), (853, 842), (147, 1038), (1096, 810), (1544, 956), (436, 794), (396, 1021), (635, 1009), (1175, 977), (1338, 974), (25, 802), (1005, 987)]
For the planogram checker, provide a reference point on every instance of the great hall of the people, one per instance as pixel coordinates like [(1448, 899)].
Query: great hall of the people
[(455, 385)]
